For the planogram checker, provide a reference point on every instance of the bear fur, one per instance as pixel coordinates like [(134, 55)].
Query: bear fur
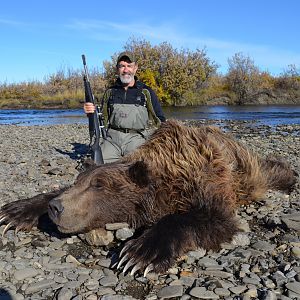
[(182, 187)]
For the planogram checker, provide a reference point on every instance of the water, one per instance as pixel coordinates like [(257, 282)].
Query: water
[(261, 115), (41, 116)]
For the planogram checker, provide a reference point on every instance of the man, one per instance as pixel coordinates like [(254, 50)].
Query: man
[(129, 108)]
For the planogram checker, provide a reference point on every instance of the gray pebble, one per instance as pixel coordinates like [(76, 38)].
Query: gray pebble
[(170, 292), (38, 286), (263, 245), (109, 281), (263, 258), (124, 234), (65, 294), (25, 273), (294, 287), (202, 293)]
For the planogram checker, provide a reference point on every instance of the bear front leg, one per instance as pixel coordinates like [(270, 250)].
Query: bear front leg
[(173, 235), (24, 214)]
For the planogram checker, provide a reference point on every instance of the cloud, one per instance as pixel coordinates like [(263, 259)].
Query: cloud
[(12, 23), (265, 56), (103, 29)]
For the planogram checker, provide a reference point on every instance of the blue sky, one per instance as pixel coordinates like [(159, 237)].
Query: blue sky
[(40, 37)]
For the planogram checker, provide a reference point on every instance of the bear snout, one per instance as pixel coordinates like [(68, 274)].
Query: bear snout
[(55, 209)]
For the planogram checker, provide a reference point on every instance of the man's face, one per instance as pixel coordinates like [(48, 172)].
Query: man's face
[(126, 71)]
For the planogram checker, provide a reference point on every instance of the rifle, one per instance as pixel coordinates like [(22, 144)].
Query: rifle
[(96, 121)]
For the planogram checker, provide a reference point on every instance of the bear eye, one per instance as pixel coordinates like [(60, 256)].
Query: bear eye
[(96, 182)]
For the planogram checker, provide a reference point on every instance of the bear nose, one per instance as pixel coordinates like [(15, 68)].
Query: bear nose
[(55, 208)]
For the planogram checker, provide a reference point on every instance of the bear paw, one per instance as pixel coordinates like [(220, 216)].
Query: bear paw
[(12, 216), (146, 253)]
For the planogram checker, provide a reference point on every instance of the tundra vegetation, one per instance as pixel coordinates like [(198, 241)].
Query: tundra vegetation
[(179, 77)]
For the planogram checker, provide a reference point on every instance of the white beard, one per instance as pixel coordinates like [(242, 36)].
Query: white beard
[(126, 78)]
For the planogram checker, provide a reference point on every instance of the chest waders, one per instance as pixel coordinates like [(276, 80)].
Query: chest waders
[(131, 117), (128, 124)]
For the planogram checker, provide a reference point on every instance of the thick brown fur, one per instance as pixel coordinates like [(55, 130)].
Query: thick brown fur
[(184, 184)]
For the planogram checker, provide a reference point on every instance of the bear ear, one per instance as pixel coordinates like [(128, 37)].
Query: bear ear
[(139, 173), (88, 164)]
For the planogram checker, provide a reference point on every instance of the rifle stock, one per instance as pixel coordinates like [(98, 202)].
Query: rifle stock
[(96, 123)]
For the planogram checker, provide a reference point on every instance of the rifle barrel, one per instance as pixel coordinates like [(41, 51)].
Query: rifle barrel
[(95, 124)]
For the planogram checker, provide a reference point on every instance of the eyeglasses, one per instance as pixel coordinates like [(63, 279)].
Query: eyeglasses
[(129, 66)]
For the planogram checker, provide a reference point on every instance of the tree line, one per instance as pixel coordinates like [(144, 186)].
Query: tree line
[(179, 77)]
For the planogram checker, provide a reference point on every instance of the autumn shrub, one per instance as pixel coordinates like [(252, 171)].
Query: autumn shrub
[(172, 73)]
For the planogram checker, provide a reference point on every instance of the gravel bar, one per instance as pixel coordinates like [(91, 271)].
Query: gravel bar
[(263, 262)]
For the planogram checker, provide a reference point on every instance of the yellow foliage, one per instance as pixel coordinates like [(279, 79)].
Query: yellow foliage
[(149, 78)]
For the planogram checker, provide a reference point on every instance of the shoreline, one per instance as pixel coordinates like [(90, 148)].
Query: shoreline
[(264, 261), (259, 115)]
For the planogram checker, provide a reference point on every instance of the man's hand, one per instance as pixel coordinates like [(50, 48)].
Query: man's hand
[(89, 108)]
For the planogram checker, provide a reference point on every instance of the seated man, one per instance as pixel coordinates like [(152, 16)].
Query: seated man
[(131, 110)]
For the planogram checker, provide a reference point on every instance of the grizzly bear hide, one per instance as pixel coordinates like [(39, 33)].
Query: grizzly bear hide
[(182, 186)]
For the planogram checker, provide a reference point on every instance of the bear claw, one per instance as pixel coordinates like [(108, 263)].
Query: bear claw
[(125, 248), (6, 228), (128, 265), (123, 259), (2, 219), (129, 262), (148, 269), (135, 269)]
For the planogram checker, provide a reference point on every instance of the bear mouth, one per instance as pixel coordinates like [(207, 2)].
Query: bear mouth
[(64, 229), (60, 227), (68, 228)]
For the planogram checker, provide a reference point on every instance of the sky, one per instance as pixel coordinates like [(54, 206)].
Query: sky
[(38, 38)]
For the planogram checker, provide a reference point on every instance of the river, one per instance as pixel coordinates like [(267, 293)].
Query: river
[(271, 115)]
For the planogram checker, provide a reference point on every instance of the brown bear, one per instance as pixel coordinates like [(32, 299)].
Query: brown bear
[(182, 187)]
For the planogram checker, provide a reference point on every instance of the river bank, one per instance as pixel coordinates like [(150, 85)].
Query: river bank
[(263, 263), (270, 115)]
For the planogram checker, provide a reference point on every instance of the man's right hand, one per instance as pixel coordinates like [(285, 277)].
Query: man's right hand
[(89, 107)]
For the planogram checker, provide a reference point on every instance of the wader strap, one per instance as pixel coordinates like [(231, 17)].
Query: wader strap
[(104, 106), (150, 109), (148, 103)]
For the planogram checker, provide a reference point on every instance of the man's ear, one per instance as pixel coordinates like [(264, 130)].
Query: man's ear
[(139, 173)]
